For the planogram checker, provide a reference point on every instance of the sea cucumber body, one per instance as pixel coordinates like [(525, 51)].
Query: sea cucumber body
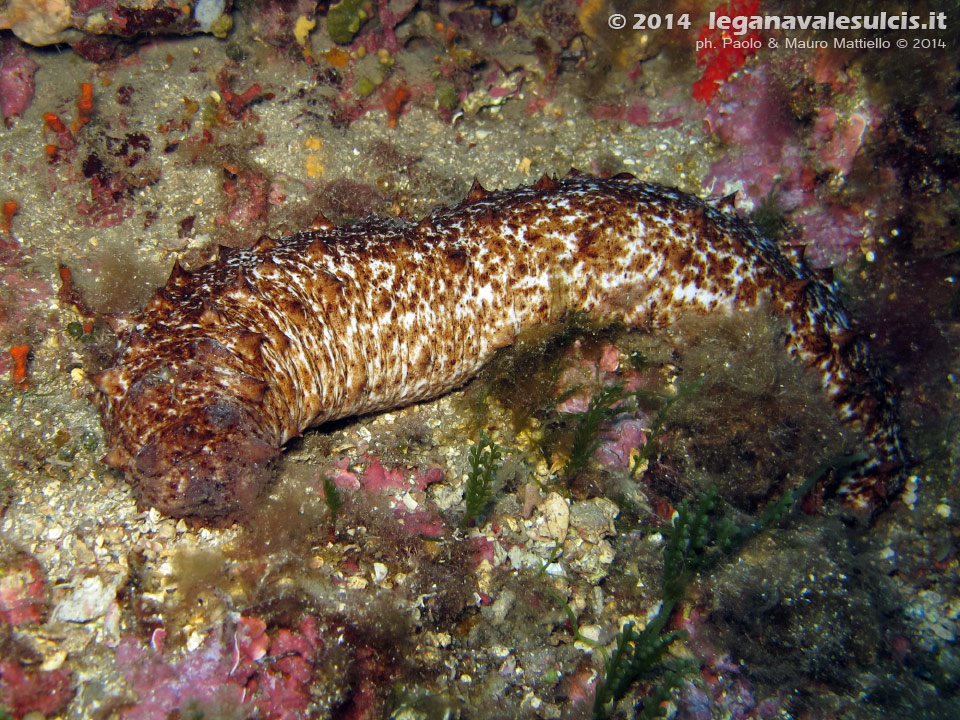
[(227, 363)]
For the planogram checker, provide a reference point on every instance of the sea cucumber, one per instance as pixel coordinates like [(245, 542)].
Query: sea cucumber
[(227, 363)]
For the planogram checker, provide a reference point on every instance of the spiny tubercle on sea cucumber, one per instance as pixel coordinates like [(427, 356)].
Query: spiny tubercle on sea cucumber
[(227, 363)]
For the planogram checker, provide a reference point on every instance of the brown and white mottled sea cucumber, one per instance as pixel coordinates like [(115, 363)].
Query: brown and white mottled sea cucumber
[(227, 363)]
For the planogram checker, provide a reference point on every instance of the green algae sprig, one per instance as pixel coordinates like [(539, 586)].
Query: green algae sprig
[(485, 456)]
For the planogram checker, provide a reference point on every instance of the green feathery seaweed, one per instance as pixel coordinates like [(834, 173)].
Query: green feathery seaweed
[(639, 656), (331, 496), (652, 446), (586, 432), (485, 459), (699, 537), (770, 216)]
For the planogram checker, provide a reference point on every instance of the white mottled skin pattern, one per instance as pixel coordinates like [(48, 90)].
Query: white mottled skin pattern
[(227, 363)]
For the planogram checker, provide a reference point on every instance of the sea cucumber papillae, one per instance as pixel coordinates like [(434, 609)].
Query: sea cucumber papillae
[(227, 363)]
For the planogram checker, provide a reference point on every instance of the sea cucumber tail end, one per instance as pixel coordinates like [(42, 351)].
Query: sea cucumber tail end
[(876, 480)]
